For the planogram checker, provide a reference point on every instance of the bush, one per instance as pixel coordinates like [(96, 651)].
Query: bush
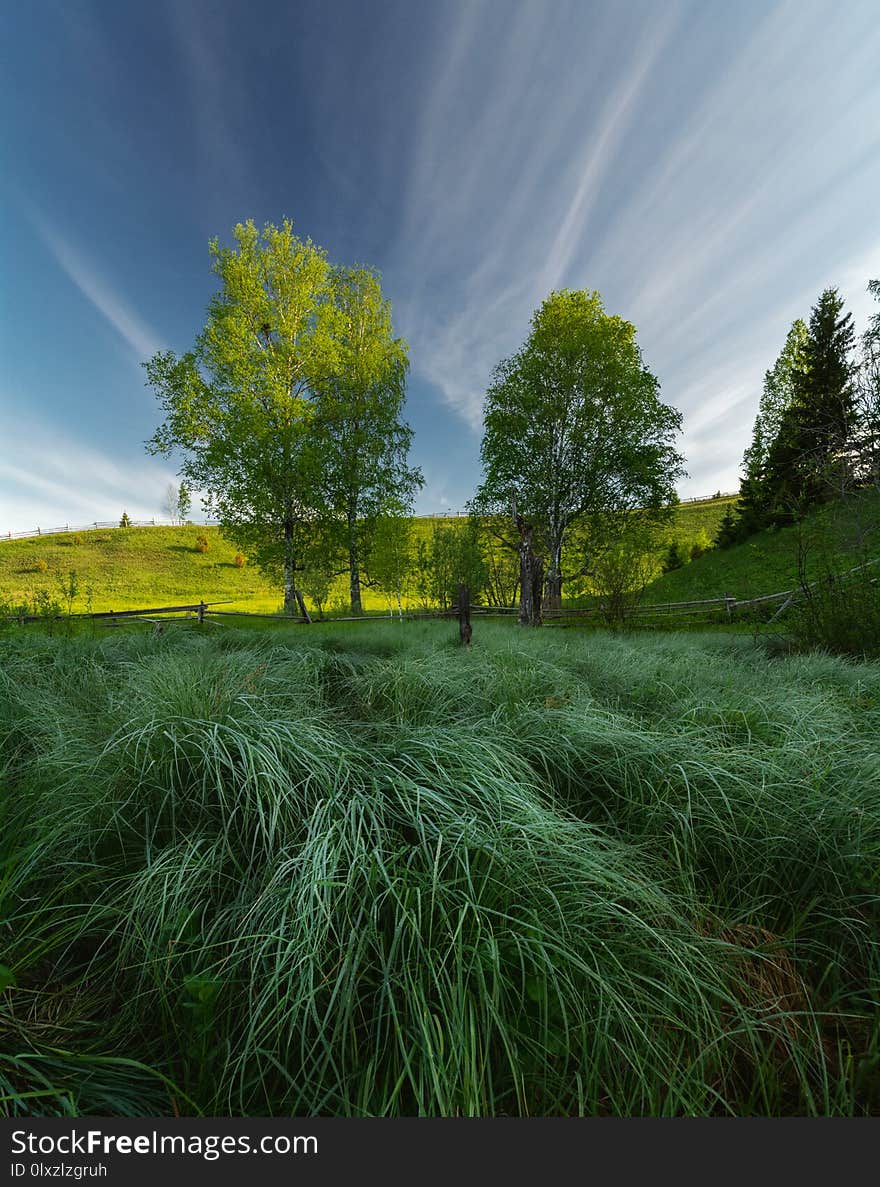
[(240, 560), (125, 522), (701, 545), (728, 530), (840, 613), (40, 566), (673, 559), (201, 543)]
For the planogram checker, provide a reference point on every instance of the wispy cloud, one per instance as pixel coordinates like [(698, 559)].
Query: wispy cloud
[(704, 174), (141, 338), (219, 104), (49, 478)]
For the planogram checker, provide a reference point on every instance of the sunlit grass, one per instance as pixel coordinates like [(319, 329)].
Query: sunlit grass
[(137, 568)]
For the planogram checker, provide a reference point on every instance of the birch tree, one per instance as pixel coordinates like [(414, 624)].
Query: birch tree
[(360, 434), (240, 406), (573, 427)]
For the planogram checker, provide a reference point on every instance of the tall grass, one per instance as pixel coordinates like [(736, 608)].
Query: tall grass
[(372, 873)]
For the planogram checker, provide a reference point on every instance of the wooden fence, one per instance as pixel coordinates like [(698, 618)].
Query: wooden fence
[(727, 603), (99, 525)]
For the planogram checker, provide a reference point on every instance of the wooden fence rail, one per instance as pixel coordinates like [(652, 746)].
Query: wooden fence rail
[(199, 608), (726, 602)]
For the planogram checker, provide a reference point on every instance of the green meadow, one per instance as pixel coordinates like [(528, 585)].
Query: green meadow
[(360, 870), (136, 568)]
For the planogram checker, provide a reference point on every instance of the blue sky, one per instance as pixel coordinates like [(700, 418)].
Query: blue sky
[(708, 166)]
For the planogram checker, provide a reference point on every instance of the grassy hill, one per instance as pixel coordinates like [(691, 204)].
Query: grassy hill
[(130, 568), (768, 562)]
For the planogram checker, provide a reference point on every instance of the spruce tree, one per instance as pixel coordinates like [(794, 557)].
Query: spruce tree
[(808, 462), (778, 396)]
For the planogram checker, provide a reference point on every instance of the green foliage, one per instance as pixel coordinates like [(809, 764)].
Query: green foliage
[(369, 874), (839, 612), (803, 438), (574, 427), (240, 404), (868, 399), (287, 410), (453, 554), (843, 532), (622, 568), (674, 558), (124, 521), (728, 530), (184, 503), (359, 435), (202, 544), (143, 567), (391, 554), (69, 590)]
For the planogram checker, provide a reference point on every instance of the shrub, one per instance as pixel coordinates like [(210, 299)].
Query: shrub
[(728, 530), (240, 560), (125, 522), (840, 613), (40, 566), (201, 542), (673, 558), (699, 546)]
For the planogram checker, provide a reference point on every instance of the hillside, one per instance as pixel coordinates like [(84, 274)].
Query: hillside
[(845, 533), (130, 568)]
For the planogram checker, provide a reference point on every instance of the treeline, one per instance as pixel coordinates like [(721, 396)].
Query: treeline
[(287, 415), (817, 433)]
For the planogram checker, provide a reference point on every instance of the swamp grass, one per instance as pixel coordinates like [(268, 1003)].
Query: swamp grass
[(368, 872)]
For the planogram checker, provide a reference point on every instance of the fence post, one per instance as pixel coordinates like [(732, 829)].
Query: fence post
[(464, 615), (730, 603), (201, 613), (302, 606), (39, 533)]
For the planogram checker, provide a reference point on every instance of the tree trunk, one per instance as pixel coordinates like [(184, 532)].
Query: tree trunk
[(531, 577), (354, 561), (553, 587), (290, 604), (464, 614)]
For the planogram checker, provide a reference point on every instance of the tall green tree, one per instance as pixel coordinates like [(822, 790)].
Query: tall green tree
[(778, 397), (360, 436), (808, 459), (240, 406), (573, 426)]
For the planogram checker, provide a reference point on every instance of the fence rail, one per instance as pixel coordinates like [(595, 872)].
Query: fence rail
[(727, 602), (99, 525), (198, 608)]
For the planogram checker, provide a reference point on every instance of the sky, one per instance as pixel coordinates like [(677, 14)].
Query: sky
[(709, 167)]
